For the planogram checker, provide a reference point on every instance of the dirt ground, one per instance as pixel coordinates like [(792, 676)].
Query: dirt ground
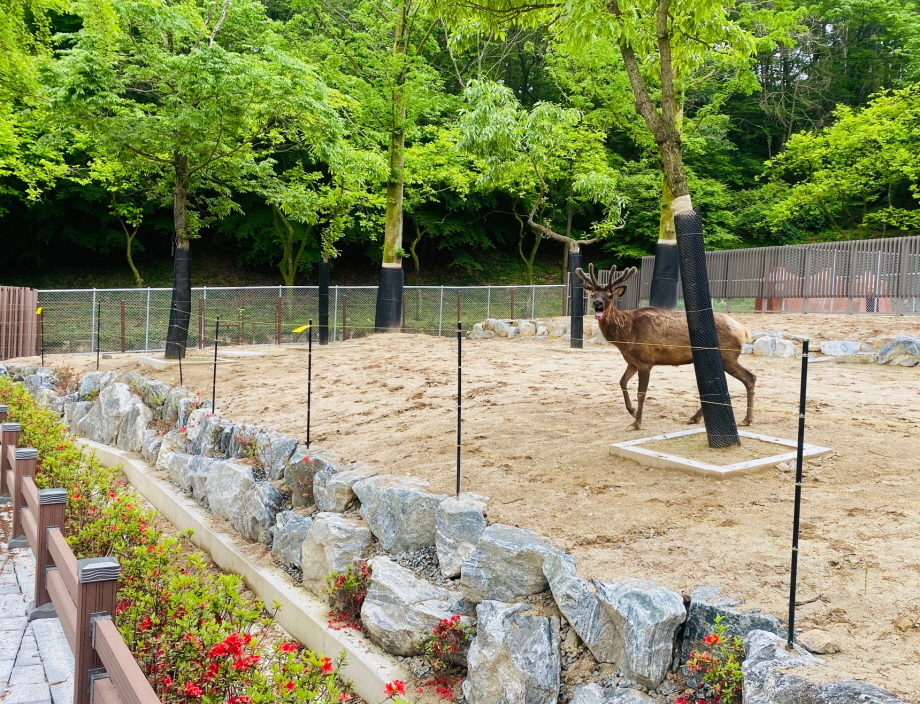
[(538, 421)]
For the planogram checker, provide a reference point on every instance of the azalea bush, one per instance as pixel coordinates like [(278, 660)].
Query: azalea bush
[(445, 649), (194, 632), (347, 590), (717, 671)]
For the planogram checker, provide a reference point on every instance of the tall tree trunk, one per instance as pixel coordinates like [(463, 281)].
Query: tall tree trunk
[(663, 292), (388, 316), (180, 310)]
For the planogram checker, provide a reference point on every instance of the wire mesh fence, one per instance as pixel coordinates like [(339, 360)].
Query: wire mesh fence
[(136, 320)]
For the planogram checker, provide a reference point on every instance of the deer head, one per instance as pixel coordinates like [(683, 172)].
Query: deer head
[(602, 296)]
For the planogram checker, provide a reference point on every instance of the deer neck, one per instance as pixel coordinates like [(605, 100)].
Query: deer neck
[(613, 321)]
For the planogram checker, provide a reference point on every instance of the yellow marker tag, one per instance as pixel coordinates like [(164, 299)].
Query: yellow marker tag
[(39, 311), (301, 328)]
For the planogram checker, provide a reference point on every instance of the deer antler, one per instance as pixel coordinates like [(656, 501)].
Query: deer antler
[(617, 280), (589, 280)]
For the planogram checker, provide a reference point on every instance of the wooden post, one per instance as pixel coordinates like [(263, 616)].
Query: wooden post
[(97, 581), (9, 437), (51, 503), (278, 320), (201, 323), (344, 318), (122, 307), (25, 460)]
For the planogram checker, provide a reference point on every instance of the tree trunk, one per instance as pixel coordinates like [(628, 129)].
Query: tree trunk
[(663, 292), (180, 310)]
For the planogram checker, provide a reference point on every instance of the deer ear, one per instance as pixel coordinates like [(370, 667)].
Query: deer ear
[(618, 292)]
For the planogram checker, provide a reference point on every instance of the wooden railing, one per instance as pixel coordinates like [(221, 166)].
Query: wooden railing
[(18, 322), (81, 593)]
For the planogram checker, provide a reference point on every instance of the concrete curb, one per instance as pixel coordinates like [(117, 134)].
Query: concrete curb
[(300, 614)]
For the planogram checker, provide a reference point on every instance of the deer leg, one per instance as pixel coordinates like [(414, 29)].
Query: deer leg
[(644, 374), (624, 380), (748, 378), (696, 417)]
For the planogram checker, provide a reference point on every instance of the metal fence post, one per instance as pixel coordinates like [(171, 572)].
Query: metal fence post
[(533, 301), (92, 333), (335, 315), (441, 312), (147, 325), (489, 302)]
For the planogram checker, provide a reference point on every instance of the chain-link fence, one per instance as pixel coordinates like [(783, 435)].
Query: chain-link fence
[(135, 320)]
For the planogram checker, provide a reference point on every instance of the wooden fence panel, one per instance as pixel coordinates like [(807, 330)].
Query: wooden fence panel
[(18, 322)]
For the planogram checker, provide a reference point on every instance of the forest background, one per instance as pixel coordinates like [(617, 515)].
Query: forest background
[(273, 134)]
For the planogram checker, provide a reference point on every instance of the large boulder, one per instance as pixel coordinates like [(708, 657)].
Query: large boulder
[(773, 347), (133, 426), (206, 439), (171, 403), (400, 608), (288, 534), (334, 542), (150, 447), (400, 513), (333, 487), (104, 420), (596, 694), (300, 472), (900, 352), (74, 413), (226, 486), (458, 523), (839, 348), (47, 397), (506, 565), (646, 618), (274, 451), (171, 443), (254, 516), (580, 606), (190, 473), (514, 657), (706, 605), (92, 384)]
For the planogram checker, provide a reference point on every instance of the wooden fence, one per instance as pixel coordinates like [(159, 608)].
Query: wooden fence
[(18, 322), (81, 592), (860, 276)]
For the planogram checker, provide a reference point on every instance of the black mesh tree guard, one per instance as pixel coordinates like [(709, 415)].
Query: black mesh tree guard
[(323, 281), (180, 309), (663, 292), (388, 315), (718, 414), (577, 303)]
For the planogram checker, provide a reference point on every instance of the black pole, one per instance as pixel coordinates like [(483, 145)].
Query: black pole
[(663, 293), (41, 333), (309, 378), (323, 302), (181, 383), (180, 309), (98, 345), (459, 397), (718, 413), (214, 379), (388, 314), (797, 511), (576, 305)]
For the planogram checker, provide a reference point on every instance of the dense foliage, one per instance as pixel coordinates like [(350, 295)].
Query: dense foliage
[(279, 132)]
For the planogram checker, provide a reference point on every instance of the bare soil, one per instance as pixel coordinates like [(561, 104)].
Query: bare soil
[(538, 421)]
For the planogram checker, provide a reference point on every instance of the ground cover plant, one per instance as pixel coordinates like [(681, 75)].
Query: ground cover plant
[(195, 633), (347, 591), (715, 672)]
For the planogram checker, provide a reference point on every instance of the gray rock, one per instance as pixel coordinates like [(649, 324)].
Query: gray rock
[(133, 426), (187, 406), (773, 347), (77, 412), (399, 512), (275, 450), (334, 542), (480, 333), (596, 694), (527, 329), (42, 379), (300, 472), (93, 383), (207, 439), (506, 565), (191, 474), (542, 331), (333, 487), (853, 692), (646, 617), (254, 516), (458, 522), (150, 447), (400, 608), (170, 409), (50, 400), (104, 419), (747, 348), (226, 486), (818, 641), (288, 534), (3, 371), (512, 332), (706, 604), (514, 658), (580, 606), (194, 423), (836, 348), (900, 352), (765, 678), (171, 443), (859, 358)]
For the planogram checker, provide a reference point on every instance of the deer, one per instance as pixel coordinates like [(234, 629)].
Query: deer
[(651, 336)]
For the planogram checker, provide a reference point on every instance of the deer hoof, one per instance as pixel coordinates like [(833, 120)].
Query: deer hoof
[(693, 421), (635, 426), (632, 412), (746, 422)]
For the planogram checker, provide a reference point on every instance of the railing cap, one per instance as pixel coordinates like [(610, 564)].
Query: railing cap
[(10, 427), (4, 408), (97, 569), (47, 497), (26, 453)]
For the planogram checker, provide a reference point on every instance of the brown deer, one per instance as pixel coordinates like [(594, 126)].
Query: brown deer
[(650, 336)]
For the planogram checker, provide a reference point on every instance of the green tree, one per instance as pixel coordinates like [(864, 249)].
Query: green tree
[(191, 97)]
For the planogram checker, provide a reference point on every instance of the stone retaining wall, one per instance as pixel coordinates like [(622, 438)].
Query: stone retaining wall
[(432, 557)]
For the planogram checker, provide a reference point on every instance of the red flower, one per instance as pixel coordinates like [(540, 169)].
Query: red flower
[(240, 699), (395, 687), (289, 686), (712, 639), (167, 681), (192, 690), (326, 666), (345, 697), (287, 647)]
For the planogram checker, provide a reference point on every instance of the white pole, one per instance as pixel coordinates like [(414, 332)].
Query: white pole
[(92, 332), (147, 325), (489, 302)]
